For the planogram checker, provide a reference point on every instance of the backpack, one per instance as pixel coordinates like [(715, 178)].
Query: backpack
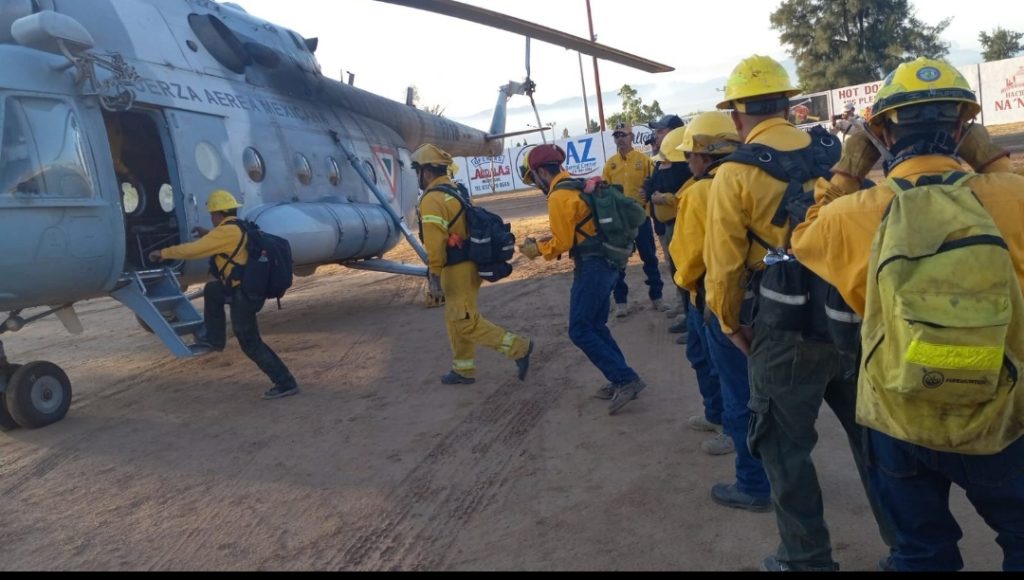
[(268, 273), (617, 219), (491, 244), (944, 323), (786, 295)]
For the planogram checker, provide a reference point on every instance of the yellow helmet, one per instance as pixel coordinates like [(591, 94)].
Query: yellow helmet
[(711, 134), (757, 76), (670, 150), (525, 174), (221, 200), (431, 155), (924, 80), (453, 170)]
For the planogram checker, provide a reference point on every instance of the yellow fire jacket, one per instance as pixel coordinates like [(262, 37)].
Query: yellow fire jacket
[(630, 172), (835, 241), (744, 199), (565, 211), (437, 210), (223, 239), (687, 247)]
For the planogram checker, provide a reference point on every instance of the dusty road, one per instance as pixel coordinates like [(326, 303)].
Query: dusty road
[(178, 465)]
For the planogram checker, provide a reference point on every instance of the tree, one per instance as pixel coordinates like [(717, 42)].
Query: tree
[(437, 110), (593, 127), (634, 111), (837, 43), (1001, 44)]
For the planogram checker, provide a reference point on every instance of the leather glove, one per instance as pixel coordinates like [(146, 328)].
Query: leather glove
[(978, 150), (859, 156), (156, 257), (434, 287), (530, 249)]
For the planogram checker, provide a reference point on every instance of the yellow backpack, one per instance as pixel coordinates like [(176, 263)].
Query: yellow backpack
[(943, 334)]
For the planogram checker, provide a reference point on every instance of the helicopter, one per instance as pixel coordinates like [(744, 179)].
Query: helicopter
[(120, 117)]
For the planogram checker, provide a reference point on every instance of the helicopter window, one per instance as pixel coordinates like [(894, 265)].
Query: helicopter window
[(208, 160), (167, 198), (333, 171), (302, 169), (131, 201), (254, 166), (43, 150), (371, 171)]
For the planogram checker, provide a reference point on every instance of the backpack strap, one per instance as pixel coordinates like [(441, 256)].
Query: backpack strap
[(449, 190), (230, 259)]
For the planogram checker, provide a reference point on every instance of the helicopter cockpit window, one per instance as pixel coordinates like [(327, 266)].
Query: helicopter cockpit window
[(43, 150), (303, 170), (254, 166)]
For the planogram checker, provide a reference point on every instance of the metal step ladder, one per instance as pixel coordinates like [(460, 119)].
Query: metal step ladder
[(156, 298)]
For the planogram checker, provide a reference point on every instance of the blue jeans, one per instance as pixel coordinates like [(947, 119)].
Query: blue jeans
[(589, 306), (649, 254), (731, 364), (700, 359), (913, 486)]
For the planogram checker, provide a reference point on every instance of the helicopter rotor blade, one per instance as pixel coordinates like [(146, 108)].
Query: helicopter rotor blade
[(519, 26)]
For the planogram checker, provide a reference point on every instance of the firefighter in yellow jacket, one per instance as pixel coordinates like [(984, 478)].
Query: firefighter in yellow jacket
[(791, 372), (225, 244), (921, 114), (444, 226)]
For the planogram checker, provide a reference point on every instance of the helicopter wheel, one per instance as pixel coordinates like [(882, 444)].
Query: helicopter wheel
[(7, 423), (38, 394)]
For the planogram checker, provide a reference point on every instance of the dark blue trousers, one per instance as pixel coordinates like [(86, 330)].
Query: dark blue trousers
[(648, 250), (589, 306)]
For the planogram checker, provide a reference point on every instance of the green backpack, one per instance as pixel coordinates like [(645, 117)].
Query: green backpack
[(943, 333), (617, 219)]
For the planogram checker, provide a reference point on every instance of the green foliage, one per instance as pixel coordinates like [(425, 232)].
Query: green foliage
[(593, 127), (1001, 44), (634, 111), (837, 43)]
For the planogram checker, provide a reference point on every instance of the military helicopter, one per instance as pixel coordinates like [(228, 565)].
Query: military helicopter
[(120, 117)]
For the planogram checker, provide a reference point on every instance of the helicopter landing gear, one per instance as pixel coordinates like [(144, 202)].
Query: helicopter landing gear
[(33, 395)]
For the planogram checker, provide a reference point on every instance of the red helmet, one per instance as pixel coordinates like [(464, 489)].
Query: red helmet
[(542, 155)]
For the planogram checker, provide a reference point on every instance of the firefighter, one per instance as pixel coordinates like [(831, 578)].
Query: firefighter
[(225, 246), (921, 113), (594, 279), (791, 371), (453, 278), (629, 169)]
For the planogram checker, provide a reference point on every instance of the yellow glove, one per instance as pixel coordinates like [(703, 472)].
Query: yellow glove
[(530, 249), (859, 156), (978, 150)]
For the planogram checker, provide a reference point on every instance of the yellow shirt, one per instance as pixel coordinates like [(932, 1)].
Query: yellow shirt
[(687, 247), (835, 241), (630, 172), (437, 210), (223, 239), (565, 211), (744, 199)]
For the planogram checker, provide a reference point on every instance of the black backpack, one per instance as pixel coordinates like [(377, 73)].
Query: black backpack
[(491, 244), (786, 295), (268, 273)]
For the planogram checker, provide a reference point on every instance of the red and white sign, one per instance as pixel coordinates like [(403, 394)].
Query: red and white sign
[(1003, 91), (490, 175), (862, 96)]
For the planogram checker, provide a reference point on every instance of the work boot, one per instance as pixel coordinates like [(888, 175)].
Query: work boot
[(731, 496), (678, 328), (721, 444), (524, 363), (625, 394), (886, 564), (621, 310), (683, 339), (678, 312), (454, 378), (606, 393), (772, 564), (700, 423), (280, 392), (660, 306)]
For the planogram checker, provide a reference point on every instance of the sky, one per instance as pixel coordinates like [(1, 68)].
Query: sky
[(460, 65)]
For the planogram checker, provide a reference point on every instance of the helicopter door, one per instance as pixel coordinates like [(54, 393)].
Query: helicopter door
[(61, 239), (204, 165)]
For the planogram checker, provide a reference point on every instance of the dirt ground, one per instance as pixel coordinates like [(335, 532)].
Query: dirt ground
[(178, 465)]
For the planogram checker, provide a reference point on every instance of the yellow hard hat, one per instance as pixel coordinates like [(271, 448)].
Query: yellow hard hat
[(670, 150), (221, 200), (453, 170), (431, 155), (924, 80), (525, 174), (711, 134), (757, 76)]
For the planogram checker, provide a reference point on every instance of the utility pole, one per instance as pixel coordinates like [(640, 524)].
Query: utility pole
[(597, 71), (583, 82)]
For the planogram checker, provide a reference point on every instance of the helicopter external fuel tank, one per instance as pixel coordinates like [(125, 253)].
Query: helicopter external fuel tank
[(329, 232)]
